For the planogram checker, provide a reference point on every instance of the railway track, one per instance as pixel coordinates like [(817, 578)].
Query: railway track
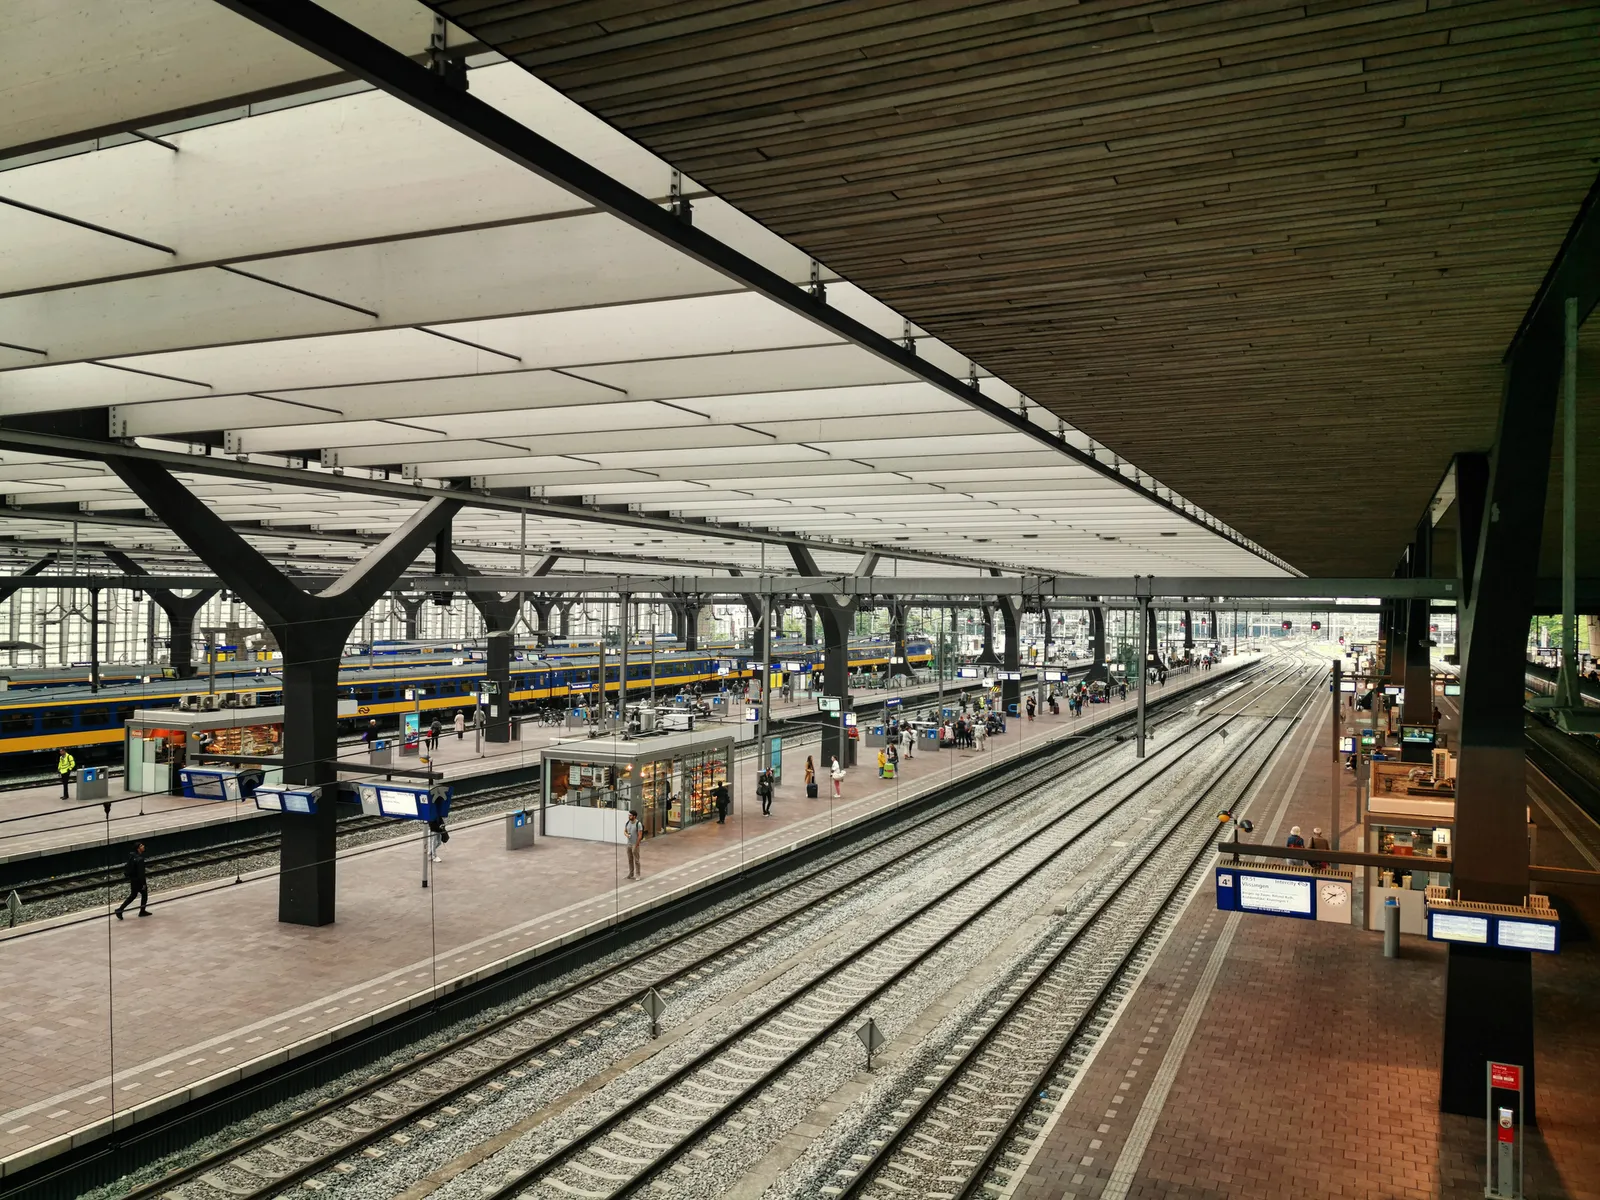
[(641, 1142), (471, 1065), (953, 1134)]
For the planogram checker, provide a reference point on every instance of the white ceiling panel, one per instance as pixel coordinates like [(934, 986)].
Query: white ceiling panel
[(163, 312), (71, 67), (698, 325), (437, 402), (827, 366), (37, 250), (572, 262), (82, 385), (357, 167)]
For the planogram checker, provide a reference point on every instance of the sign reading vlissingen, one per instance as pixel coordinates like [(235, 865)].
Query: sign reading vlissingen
[(1306, 896)]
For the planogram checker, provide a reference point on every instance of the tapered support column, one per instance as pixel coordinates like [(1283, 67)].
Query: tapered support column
[(1152, 642), (987, 656), (311, 631), (1011, 687), (8, 590), (181, 612), (499, 610), (410, 606), (837, 615), (1098, 672), (1488, 997), (897, 640), (1188, 629)]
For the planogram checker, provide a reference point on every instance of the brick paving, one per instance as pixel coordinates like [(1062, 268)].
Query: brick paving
[(1313, 1068), (97, 1013)]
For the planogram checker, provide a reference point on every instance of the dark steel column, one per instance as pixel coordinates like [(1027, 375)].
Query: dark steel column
[(499, 610), (1489, 992), (1097, 642), (1417, 708), (94, 639), (838, 617), (1011, 617), (311, 631), (181, 612), (811, 623), (410, 606), (1188, 629), (497, 670), (987, 657), (897, 640)]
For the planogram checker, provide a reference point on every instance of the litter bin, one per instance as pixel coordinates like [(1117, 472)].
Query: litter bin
[(91, 784), (519, 829), (516, 728)]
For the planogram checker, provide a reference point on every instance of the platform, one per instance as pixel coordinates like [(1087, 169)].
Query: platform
[(212, 988), (1262, 1057), (36, 821)]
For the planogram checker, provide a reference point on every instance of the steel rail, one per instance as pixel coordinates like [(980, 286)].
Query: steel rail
[(601, 1129), (880, 1157), (165, 1184)]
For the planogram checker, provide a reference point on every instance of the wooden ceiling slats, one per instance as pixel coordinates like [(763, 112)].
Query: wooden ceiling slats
[(1270, 252)]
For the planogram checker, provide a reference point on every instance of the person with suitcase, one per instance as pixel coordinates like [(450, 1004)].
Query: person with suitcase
[(811, 779)]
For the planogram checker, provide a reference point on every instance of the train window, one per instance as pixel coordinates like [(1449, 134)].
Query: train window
[(57, 721), (384, 694), (12, 724), (94, 718)]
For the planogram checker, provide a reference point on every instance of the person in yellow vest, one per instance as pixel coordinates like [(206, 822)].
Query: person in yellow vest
[(64, 768)]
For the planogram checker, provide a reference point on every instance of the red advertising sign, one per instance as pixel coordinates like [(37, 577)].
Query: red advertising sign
[(1504, 1075)]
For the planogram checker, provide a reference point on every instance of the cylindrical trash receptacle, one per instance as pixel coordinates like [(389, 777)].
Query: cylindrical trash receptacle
[(1391, 928)]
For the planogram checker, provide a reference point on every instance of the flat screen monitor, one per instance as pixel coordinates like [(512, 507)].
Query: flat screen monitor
[(1347, 745), (1052, 676), (1390, 689), (850, 720), (1347, 685), (966, 672), (1512, 934), (1274, 894), (394, 803), (1417, 735), (1452, 689), (1458, 927), (828, 704)]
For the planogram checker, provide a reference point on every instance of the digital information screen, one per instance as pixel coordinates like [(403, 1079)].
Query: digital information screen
[(1511, 934), (966, 672), (1347, 685), (1052, 676), (1452, 689), (1458, 927), (1417, 734), (828, 704), (1347, 745), (849, 720), (1266, 894), (397, 804)]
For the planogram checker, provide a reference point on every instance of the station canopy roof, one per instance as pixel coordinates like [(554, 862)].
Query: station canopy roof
[(343, 306)]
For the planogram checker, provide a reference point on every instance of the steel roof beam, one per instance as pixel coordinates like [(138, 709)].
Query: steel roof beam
[(351, 49)]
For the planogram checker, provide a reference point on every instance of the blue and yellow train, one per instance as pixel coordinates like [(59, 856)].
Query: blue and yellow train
[(40, 723)]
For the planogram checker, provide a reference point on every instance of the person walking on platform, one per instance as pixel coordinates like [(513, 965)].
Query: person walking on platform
[(461, 724), (837, 774), (1294, 841), (64, 768), (133, 871), (883, 761), (437, 837), (724, 802), (764, 791), (1031, 705), (433, 734), (811, 779), (633, 833)]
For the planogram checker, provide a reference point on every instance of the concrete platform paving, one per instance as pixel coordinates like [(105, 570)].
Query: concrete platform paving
[(104, 1022), (1279, 1058)]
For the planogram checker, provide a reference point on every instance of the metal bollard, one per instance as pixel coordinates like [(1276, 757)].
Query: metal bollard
[(1391, 928)]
